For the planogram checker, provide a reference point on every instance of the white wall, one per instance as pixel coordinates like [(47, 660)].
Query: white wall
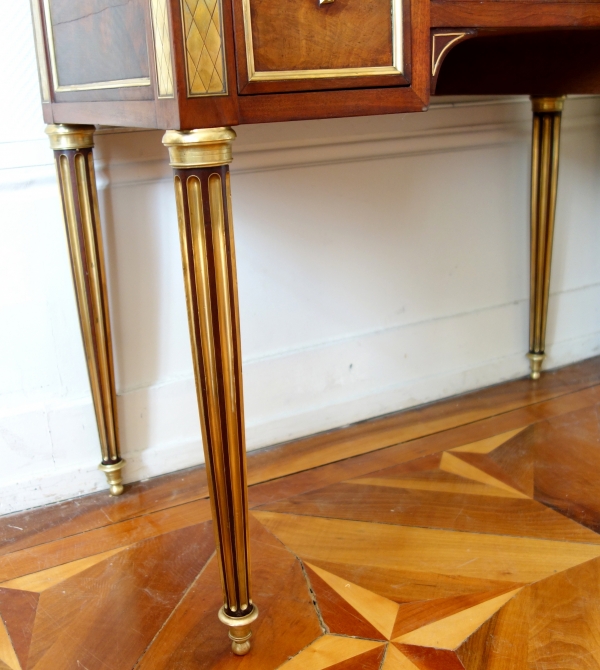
[(383, 263)]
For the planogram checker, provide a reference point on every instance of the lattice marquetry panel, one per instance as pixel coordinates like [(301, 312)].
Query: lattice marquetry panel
[(204, 47), (162, 48)]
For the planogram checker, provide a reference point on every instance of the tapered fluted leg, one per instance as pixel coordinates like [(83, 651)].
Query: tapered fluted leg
[(75, 166), (200, 161), (544, 180)]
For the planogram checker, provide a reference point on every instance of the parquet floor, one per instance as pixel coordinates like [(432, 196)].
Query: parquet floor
[(459, 536)]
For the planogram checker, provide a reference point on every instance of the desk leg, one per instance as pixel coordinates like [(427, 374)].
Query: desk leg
[(75, 167), (547, 114), (200, 161)]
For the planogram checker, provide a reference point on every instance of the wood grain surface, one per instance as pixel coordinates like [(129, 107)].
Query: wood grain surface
[(473, 546), (99, 40), (306, 36)]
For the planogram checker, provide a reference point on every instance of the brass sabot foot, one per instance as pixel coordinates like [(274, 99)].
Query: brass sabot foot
[(113, 476), (239, 632), (535, 363)]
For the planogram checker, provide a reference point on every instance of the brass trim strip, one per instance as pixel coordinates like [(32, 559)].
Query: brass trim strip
[(64, 137), (436, 61), (58, 88), (161, 34), (38, 34), (207, 147), (396, 68)]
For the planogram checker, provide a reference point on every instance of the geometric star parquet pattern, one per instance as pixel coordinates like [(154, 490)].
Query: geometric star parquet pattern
[(483, 555)]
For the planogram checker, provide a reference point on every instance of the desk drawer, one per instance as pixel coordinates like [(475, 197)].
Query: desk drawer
[(294, 45)]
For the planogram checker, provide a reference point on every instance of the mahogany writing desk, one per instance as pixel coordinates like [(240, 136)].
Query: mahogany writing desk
[(197, 67)]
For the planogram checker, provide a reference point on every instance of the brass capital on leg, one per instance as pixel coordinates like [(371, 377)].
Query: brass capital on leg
[(72, 145), (200, 161), (547, 112)]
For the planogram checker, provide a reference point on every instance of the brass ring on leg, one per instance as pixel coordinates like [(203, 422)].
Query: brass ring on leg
[(240, 632)]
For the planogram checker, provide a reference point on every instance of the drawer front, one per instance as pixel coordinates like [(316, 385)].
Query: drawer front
[(315, 44)]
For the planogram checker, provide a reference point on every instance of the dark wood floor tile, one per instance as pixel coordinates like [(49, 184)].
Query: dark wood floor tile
[(44, 556), (406, 586), (17, 611), (106, 616), (43, 525), (567, 463), (370, 660), (474, 653), (194, 639), (281, 487), (431, 659), (339, 616), (564, 621), (519, 517), (412, 424), (514, 459), (415, 615), (486, 464)]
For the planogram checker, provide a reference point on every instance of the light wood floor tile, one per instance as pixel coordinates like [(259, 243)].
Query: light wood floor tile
[(394, 660), (327, 650), (521, 517), (488, 444), (510, 559), (369, 660), (8, 655), (414, 615), (120, 535), (463, 487), (38, 582), (451, 632)]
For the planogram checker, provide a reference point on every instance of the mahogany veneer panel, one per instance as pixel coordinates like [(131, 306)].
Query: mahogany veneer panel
[(99, 40)]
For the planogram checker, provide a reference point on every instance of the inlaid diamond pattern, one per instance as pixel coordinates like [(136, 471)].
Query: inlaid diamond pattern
[(204, 47), (162, 48)]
